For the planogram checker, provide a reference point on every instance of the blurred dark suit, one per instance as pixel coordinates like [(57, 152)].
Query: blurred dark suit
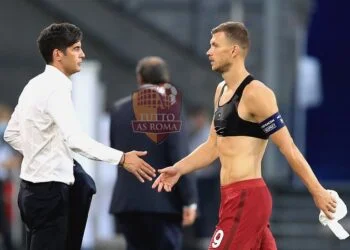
[(148, 219)]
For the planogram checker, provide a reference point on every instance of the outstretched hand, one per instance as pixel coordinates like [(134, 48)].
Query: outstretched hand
[(138, 167), (167, 179)]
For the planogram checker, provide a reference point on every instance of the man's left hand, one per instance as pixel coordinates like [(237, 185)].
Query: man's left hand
[(189, 214)]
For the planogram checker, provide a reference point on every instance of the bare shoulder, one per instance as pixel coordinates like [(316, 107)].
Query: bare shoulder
[(259, 100), (257, 90)]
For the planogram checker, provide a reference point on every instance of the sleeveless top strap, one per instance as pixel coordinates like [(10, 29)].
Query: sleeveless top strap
[(241, 87), (239, 90)]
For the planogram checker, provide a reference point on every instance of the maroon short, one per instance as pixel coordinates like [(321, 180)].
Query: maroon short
[(244, 215)]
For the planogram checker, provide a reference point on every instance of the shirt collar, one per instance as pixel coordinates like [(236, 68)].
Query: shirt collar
[(60, 76)]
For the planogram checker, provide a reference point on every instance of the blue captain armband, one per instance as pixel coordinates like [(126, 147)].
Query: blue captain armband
[(272, 124)]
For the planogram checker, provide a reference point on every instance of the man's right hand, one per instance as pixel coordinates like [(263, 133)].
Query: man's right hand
[(138, 167), (167, 179)]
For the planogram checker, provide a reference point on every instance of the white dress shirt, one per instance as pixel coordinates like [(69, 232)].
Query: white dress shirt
[(44, 128)]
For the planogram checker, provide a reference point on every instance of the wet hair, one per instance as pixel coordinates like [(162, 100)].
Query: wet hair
[(57, 36), (153, 70)]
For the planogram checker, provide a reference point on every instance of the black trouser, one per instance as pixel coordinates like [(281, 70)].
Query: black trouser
[(44, 210), (151, 231), (5, 229)]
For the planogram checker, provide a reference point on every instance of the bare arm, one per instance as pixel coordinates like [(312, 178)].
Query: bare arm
[(201, 157), (261, 102), (205, 153), (296, 160)]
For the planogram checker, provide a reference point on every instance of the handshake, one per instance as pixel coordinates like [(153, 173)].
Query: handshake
[(168, 177), (133, 163)]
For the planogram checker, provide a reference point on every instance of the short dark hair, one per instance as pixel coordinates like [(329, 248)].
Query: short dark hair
[(235, 31), (153, 69), (57, 36)]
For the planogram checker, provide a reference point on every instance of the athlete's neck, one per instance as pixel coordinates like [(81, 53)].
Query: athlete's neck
[(235, 75)]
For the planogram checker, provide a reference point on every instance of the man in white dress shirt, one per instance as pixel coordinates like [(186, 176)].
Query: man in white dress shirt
[(44, 129)]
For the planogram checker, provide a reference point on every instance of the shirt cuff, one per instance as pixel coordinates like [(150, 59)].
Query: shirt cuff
[(122, 160), (120, 156)]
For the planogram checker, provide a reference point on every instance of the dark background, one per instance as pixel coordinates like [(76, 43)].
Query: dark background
[(328, 124)]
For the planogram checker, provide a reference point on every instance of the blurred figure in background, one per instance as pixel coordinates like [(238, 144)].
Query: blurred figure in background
[(148, 220), (9, 159), (208, 181)]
